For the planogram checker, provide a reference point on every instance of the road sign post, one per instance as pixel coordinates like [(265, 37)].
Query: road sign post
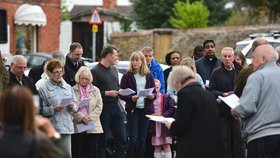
[(95, 20)]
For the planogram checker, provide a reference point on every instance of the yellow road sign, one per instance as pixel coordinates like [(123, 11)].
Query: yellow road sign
[(94, 28)]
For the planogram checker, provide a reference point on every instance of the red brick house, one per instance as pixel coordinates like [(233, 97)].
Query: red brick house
[(33, 25)]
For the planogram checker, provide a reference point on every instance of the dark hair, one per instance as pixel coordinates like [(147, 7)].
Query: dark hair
[(241, 56), (75, 45), (168, 56), (208, 41), (17, 107), (198, 48), (107, 50)]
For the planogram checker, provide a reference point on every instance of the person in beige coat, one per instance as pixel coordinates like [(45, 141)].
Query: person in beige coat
[(84, 143)]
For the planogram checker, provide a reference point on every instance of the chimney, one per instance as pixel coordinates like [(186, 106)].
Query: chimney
[(109, 4)]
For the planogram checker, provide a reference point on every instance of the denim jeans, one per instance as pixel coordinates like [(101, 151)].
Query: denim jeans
[(138, 125), (112, 119)]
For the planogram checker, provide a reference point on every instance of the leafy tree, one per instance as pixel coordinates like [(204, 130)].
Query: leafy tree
[(270, 6), (64, 11), (125, 24), (150, 14), (218, 13), (188, 15)]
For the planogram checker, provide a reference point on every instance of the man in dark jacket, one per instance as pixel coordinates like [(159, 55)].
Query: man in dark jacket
[(73, 63), (222, 84), (208, 63), (17, 77)]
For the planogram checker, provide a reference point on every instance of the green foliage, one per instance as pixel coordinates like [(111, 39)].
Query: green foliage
[(268, 7), (125, 24), (150, 14), (218, 13), (188, 15), (64, 11)]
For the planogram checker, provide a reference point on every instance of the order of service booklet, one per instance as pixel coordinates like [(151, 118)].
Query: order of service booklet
[(160, 119), (232, 100)]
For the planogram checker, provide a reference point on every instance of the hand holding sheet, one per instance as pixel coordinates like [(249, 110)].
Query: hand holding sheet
[(65, 101), (83, 102), (145, 92), (161, 119), (232, 100), (82, 127), (125, 92)]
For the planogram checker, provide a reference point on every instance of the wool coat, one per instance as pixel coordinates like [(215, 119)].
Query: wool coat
[(196, 124)]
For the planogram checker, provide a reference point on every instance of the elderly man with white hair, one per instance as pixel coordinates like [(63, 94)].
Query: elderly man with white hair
[(17, 77), (196, 124), (222, 83), (259, 105)]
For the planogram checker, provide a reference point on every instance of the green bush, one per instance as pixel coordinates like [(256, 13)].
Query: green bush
[(188, 15)]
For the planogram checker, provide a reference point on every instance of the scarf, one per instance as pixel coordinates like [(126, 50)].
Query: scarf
[(84, 94)]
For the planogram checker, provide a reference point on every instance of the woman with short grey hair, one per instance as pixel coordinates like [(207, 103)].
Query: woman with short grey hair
[(196, 113)]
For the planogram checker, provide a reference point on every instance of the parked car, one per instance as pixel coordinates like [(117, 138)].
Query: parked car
[(36, 59), (273, 37)]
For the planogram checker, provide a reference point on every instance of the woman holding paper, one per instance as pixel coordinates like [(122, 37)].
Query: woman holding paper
[(138, 78), (54, 92), (84, 143), (196, 124)]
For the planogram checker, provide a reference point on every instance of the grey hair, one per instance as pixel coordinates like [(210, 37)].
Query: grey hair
[(179, 74), (59, 56), (227, 48), (17, 58)]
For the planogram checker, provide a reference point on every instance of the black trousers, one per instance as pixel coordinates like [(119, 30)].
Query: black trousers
[(265, 147), (84, 145)]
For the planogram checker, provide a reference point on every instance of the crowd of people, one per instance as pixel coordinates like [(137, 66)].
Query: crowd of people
[(79, 109)]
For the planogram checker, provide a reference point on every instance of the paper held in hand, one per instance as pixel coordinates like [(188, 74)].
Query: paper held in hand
[(65, 101), (83, 102), (160, 119), (232, 100), (145, 92), (82, 127), (125, 92)]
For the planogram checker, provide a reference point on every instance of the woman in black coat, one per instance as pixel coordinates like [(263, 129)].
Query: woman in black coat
[(196, 124)]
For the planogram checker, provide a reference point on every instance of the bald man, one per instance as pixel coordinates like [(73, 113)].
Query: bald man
[(246, 72), (259, 105)]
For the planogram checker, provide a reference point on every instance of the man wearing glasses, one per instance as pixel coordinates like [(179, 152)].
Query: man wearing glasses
[(17, 77)]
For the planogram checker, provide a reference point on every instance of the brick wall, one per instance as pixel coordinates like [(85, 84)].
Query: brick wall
[(48, 36), (184, 40)]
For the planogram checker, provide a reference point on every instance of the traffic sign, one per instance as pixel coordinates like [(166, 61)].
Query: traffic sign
[(95, 17), (94, 28)]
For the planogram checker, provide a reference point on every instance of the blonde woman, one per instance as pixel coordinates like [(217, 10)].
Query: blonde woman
[(84, 144), (138, 77)]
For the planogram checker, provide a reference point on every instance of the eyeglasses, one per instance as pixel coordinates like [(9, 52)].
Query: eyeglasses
[(58, 72)]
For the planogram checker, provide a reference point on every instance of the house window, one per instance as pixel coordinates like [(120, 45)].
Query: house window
[(26, 39)]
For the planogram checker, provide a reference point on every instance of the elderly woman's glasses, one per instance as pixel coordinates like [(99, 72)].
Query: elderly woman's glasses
[(58, 72)]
